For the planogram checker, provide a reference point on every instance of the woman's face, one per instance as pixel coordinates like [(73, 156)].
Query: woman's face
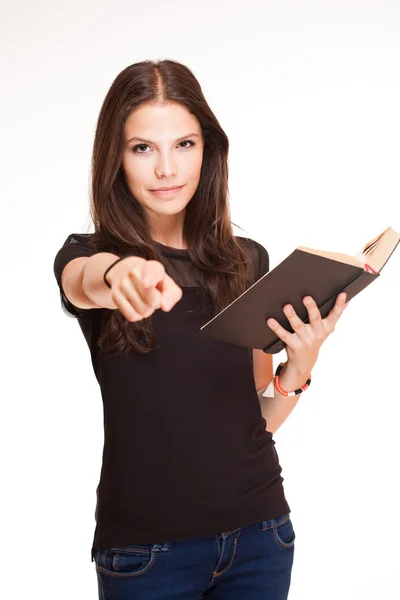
[(167, 150)]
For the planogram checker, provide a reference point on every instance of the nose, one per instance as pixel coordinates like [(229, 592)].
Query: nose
[(166, 166)]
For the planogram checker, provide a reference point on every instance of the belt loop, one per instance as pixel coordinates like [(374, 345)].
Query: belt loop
[(164, 547)]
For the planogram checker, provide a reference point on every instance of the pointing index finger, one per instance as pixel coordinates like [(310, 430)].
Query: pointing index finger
[(171, 293)]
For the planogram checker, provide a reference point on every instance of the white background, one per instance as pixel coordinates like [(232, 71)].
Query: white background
[(308, 93)]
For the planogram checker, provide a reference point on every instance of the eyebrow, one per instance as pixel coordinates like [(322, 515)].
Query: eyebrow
[(150, 142)]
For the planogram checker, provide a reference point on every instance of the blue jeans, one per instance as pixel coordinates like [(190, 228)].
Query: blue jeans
[(249, 563)]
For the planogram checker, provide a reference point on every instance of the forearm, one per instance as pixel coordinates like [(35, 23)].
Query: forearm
[(93, 283), (277, 409)]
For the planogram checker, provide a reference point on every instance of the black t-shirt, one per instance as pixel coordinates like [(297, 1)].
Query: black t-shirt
[(186, 450)]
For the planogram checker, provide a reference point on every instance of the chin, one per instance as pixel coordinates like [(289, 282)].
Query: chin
[(171, 207)]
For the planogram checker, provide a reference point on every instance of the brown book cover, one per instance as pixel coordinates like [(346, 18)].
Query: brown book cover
[(302, 273)]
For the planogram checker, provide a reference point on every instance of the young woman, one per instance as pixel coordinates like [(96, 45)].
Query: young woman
[(190, 502)]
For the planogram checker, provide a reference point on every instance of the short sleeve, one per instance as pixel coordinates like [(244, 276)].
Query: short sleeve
[(257, 255), (76, 245), (262, 266)]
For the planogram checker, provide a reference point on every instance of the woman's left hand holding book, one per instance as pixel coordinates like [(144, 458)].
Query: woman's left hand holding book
[(303, 345)]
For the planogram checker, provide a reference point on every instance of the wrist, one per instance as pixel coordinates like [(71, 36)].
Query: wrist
[(292, 377), (288, 381)]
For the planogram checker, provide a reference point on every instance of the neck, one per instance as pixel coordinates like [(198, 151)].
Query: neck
[(169, 232)]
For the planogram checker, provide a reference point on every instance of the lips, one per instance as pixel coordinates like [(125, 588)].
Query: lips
[(168, 194), (167, 189)]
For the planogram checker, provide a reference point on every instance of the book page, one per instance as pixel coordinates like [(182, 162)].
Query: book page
[(378, 251), (375, 253)]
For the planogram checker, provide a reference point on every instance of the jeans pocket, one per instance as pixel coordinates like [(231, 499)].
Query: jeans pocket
[(283, 531), (124, 561)]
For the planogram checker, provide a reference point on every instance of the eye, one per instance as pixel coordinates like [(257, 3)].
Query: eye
[(135, 148), (188, 142)]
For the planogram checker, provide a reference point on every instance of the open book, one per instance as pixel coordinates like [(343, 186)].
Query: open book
[(305, 272)]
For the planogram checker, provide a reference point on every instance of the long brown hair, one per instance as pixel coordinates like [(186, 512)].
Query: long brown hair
[(120, 222)]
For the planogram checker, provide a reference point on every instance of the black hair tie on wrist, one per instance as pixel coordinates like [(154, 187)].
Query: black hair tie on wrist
[(111, 266)]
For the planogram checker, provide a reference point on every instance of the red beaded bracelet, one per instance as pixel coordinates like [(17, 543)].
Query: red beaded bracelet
[(269, 391)]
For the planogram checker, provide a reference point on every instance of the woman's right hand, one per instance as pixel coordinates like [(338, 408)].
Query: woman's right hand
[(140, 286)]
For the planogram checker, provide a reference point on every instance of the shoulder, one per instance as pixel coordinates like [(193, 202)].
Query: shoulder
[(251, 244), (77, 244), (82, 239)]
